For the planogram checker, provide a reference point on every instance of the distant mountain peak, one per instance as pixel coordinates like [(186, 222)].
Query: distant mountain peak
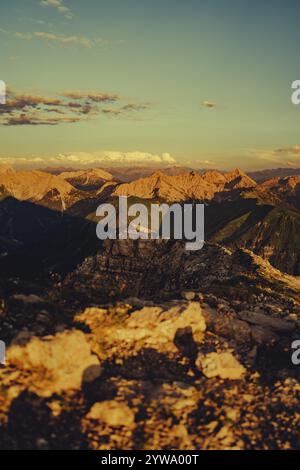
[(185, 185)]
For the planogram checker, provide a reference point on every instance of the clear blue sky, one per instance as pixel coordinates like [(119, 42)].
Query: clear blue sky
[(209, 79)]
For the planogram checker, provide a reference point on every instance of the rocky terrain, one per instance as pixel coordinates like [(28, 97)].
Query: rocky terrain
[(183, 354), (287, 187), (142, 344)]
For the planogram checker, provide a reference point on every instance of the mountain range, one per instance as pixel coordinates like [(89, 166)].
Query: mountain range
[(263, 217), (142, 344)]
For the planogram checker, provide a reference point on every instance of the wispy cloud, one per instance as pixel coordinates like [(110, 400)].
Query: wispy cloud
[(61, 39), (87, 159), (108, 156), (128, 109), (285, 156), (66, 107), (209, 104), (59, 6), (94, 96)]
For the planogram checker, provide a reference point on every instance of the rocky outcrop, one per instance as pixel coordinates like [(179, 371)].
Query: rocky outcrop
[(139, 375), (223, 365), (55, 363)]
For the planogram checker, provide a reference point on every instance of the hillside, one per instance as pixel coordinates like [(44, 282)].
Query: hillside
[(272, 232), (36, 186), (287, 188)]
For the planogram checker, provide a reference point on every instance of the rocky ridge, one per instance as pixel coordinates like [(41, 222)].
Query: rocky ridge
[(185, 186)]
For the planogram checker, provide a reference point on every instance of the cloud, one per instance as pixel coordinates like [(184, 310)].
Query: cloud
[(61, 39), (285, 156), (206, 163), (209, 104), (290, 151), (126, 110), (38, 120), (87, 159), (64, 108), (96, 97), (10, 161), (59, 6)]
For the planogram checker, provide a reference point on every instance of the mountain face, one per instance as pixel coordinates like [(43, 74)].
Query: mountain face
[(264, 175), (185, 186), (287, 188), (38, 187), (86, 179), (270, 231), (128, 174), (58, 192), (239, 213)]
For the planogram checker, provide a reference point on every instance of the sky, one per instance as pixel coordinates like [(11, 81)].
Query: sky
[(203, 83)]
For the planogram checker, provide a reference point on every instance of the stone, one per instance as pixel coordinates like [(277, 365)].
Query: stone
[(112, 413), (154, 327), (91, 374), (223, 365), (28, 299), (275, 324), (263, 336), (188, 295), (57, 363)]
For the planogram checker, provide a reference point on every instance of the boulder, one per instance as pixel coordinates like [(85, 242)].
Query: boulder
[(112, 413), (56, 363), (223, 365), (265, 321)]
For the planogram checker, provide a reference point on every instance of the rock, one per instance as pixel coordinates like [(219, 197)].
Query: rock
[(42, 444), (112, 413), (57, 363), (28, 299), (263, 336), (135, 302), (43, 317), (223, 365), (188, 295), (22, 338), (91, 373), (154, 327), (275, 324), (2, 307), (231, 328)]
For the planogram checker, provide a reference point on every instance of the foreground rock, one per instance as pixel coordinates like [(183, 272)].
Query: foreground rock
[(142, 375), (122, 331), (55, 363), (223, 365)]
